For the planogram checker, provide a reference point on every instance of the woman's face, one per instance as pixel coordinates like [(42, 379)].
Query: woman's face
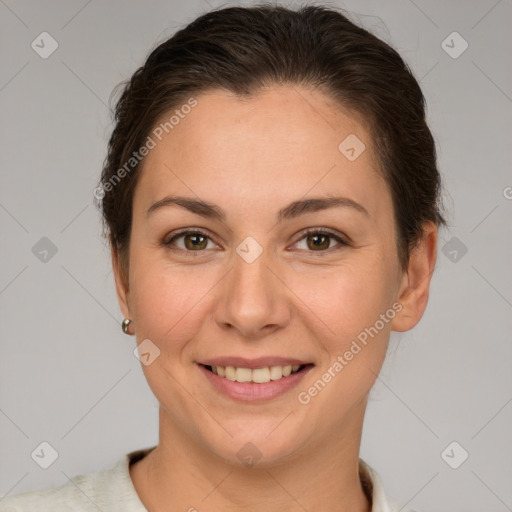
[(250, 287)]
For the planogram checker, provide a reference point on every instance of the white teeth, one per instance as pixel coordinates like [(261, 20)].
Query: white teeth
[(243, 374), (276, 372), (261, 375), (230, 373), (258, 375)]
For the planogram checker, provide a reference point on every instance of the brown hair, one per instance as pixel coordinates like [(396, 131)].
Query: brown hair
[(242, 49)]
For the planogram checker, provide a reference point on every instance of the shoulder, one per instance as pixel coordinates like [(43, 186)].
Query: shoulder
[(374, 488), (110, 489)]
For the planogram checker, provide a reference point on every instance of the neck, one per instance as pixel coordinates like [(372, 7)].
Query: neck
[(179, 474)]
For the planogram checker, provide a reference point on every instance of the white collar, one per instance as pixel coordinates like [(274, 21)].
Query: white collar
[(372, 485)]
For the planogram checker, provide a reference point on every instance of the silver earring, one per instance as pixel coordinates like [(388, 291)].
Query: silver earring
[(125, 324)]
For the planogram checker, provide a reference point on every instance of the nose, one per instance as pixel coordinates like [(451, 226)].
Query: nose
[(253, 299)]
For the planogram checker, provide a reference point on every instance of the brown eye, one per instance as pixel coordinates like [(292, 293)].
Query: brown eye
[(193, 241), (319, 241)]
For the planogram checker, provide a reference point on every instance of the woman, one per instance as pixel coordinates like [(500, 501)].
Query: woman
[(271, 197)]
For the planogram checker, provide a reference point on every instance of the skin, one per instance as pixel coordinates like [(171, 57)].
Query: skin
[(251, 157)]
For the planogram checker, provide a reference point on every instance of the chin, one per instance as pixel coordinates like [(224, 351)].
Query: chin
[(258, 447)]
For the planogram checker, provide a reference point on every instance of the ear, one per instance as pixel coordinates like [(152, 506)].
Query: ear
[(415, 284), (121, 284)]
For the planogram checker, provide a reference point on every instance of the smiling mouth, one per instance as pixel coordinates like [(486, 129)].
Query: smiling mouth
[(256, 375)]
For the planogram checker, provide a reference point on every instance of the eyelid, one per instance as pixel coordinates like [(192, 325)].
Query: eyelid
[(187, 231)]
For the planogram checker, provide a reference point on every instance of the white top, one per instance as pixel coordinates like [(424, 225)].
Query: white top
[(112, 490)]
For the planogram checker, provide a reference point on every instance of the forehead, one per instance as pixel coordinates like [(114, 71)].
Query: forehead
[(283, 141)]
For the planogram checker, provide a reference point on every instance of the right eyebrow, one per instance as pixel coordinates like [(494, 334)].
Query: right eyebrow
[(197, 206)]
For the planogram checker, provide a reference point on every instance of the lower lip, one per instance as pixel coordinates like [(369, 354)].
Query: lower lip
[(252, 391)]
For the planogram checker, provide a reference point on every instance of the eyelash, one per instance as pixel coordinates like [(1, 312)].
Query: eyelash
[(311, 231)]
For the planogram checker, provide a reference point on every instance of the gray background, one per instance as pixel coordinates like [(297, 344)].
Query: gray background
[(68, 374)]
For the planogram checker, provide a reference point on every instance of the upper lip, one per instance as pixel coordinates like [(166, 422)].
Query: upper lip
[(259, 362)]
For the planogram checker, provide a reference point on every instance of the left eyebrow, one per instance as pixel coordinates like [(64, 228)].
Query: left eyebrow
[(293, 210), (316, 204)]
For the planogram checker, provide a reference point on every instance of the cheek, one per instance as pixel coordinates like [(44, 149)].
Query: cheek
[(169, 307), (348, 298), (355, 308), (168, 301)]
